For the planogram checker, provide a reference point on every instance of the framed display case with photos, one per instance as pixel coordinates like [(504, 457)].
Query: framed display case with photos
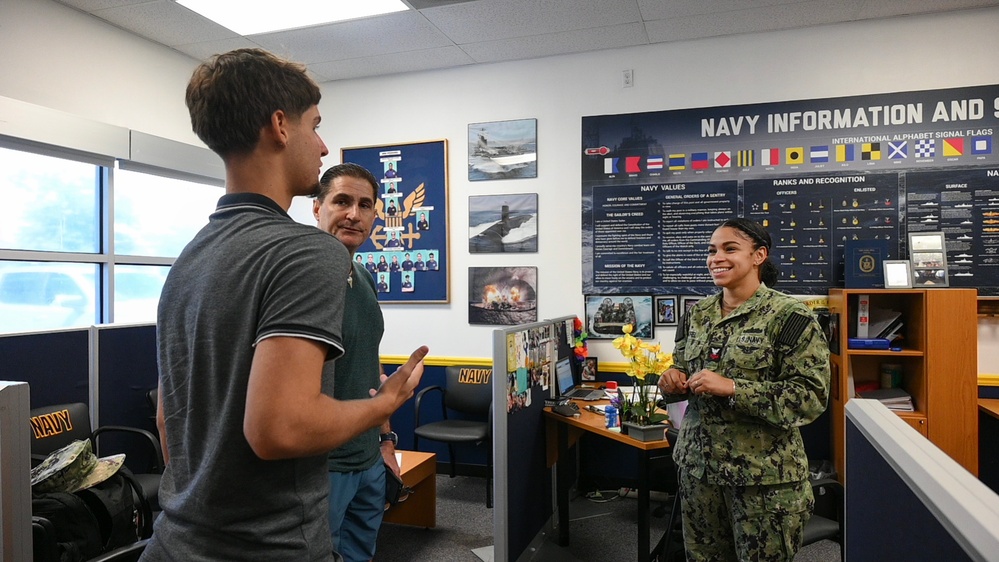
[(897, 274), (928, 254)]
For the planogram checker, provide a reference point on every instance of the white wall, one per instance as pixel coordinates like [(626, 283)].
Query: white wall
[(861, 58), (63, 56), (63, 59)]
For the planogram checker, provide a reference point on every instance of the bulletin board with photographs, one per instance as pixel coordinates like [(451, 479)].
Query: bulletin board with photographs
[(606, 315), (408, 250)]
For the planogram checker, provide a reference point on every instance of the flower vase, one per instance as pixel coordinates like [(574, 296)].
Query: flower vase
[(654, 432)]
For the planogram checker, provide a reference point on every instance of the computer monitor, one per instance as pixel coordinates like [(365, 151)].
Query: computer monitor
[(563, 375)]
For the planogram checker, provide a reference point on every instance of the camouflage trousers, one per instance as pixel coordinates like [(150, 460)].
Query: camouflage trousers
[(741, 523)]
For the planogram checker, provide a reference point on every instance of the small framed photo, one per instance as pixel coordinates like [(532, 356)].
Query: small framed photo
[(688, 301), (590, 369), (606, 315), (897, 274), (666, 310)]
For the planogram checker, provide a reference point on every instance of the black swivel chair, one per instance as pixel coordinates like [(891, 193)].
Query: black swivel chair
[(130, 553), (54, 427), (826, 522), (467, 390), (664, 550)]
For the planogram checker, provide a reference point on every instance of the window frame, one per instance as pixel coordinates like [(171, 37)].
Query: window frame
[(105, 258)]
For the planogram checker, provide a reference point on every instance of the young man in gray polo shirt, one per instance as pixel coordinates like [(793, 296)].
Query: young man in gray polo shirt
[(248, 315)]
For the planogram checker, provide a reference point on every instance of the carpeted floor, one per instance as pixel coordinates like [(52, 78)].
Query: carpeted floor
[(603, 532)]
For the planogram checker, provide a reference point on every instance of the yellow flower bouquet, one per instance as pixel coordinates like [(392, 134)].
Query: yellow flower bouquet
[(646, 362)]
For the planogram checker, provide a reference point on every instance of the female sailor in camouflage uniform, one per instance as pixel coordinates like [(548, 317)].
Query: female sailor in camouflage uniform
[(756, 367)]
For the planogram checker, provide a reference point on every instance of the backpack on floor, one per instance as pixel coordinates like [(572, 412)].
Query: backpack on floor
[(97, 519)]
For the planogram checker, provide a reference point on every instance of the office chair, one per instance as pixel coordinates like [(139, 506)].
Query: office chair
[(468, 392), (130, 553), (663, 551), (826, 522), (54, 427)]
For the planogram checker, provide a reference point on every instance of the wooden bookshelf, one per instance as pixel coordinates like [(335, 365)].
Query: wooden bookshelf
[(939, 357)]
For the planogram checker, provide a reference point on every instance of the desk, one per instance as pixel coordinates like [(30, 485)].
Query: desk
[(988, 442), (419, 472), (562, 433)]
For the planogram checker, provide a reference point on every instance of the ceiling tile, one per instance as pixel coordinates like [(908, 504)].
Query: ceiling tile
[(166, 22), (887, 8), (392, 33), (507, 19), (93, 5), (765, 18), (429, 59), (658, 10), (610, 37), (202, 51)]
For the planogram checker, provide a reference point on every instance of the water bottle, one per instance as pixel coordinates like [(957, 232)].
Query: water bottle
[(610, 415)]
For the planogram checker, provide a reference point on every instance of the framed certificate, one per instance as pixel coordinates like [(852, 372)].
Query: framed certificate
[(897, 274)]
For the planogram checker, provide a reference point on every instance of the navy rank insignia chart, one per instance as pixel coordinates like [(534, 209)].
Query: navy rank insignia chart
[(816, 173)]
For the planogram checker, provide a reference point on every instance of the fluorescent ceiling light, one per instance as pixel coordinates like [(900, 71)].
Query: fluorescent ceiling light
[(249, 17)]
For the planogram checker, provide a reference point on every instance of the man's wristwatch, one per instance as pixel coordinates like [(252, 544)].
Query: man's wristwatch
[(390, 436)]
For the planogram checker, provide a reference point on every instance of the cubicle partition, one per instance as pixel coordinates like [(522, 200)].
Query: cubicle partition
[(55, 364), (523, 358), (15, 487), (125, 371), (109, 367), (906, 499)]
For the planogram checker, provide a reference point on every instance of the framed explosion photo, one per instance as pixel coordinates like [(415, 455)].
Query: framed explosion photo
[(502, 296), (607, 314)]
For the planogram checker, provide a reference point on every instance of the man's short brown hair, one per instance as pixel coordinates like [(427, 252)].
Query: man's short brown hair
[(350, 170), (232, 96)]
